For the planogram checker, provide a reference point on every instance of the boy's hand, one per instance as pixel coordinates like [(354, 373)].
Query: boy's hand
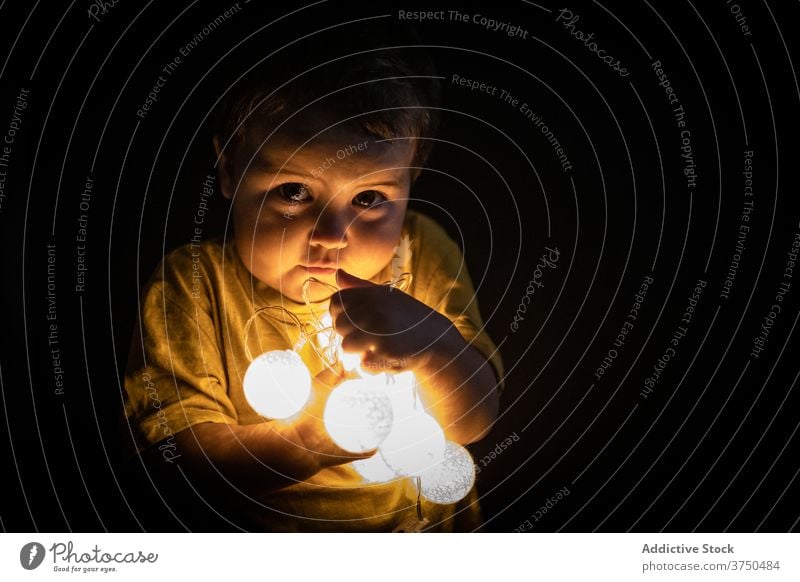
[(391, 329), (266, 456)]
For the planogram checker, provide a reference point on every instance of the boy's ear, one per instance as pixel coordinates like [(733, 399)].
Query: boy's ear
[(224, 169)]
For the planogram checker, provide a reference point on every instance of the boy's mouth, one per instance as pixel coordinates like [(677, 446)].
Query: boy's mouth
[(320, 269)]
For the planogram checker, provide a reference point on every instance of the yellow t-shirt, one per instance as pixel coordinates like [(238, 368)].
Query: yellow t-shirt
[(187, 367)]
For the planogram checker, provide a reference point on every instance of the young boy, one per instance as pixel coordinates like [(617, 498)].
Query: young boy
[(319, 174)]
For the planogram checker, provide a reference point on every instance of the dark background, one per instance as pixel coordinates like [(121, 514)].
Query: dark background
[(712, 448)]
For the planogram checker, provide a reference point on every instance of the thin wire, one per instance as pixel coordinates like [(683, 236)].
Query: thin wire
[(403, 282), (419, 498), (306, 284), (294, 320)]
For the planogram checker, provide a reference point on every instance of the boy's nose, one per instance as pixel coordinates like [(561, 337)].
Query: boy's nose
[(330, 231)]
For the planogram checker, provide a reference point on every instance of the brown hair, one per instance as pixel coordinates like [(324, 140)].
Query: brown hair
[(385, 92)]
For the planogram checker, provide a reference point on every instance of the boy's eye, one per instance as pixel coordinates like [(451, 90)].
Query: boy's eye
[(368, 198), (292, 192)]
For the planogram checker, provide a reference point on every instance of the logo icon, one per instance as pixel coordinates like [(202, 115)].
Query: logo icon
[(31, 555)]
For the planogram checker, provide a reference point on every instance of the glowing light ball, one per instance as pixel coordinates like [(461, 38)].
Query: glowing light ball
[(277, 384), (358, 415), (452, 479), (415, 444), (374, 469), (400, 388)]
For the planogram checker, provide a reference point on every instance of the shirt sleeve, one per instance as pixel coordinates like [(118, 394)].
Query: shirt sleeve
[(175, 376), (450, 292)]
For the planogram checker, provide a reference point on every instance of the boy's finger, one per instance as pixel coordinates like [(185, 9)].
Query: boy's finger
[(350, 456), (358, 342), (345, 280), (338, 456), (343, 324)]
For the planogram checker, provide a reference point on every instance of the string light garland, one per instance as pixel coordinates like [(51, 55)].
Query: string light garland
[(381, 411)]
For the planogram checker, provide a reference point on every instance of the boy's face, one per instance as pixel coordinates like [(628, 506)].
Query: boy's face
[(339, 201)]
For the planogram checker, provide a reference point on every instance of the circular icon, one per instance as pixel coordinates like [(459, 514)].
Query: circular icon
[(31, 555)]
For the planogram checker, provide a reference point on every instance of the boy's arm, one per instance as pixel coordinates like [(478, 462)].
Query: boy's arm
[(459, 388), (258, 458), (174, 390), (462, 370)]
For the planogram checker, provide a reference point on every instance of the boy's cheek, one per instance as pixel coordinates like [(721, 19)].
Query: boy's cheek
[(254, 214)]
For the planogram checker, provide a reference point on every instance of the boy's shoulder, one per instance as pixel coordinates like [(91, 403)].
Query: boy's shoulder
[(192, 266), (429, 239), (205, 252), (426, 230)]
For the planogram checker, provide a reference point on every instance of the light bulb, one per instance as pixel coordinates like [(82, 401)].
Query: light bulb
[(277, 384), (452, 479), (400, 388), (374, 469), (416, 443), (358, 415)]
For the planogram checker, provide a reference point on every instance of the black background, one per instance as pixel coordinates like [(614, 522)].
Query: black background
[(712, 448)]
